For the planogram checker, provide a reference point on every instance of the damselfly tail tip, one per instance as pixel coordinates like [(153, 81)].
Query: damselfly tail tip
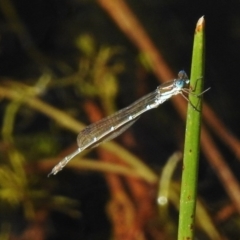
[(53, 172), (50, 173)]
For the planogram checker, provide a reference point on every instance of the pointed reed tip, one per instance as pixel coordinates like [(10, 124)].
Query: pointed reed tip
[(200, 24), (200, 20)]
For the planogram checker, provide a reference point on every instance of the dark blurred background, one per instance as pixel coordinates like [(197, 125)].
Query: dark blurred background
[(42, 38)]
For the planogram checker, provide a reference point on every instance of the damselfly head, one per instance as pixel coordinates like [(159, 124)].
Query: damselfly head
[(182, 80), (182, 75)]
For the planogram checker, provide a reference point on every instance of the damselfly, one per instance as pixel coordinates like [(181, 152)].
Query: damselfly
[(113, 125)]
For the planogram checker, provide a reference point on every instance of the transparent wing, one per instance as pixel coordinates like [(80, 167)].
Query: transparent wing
[(112, 126)]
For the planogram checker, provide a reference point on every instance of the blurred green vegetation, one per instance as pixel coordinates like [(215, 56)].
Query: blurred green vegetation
[(72, 58)]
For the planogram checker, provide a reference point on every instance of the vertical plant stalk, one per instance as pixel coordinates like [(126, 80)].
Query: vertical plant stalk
[(192, 139)]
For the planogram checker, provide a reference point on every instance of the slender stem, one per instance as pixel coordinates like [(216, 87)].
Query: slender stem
[(192, 139)]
